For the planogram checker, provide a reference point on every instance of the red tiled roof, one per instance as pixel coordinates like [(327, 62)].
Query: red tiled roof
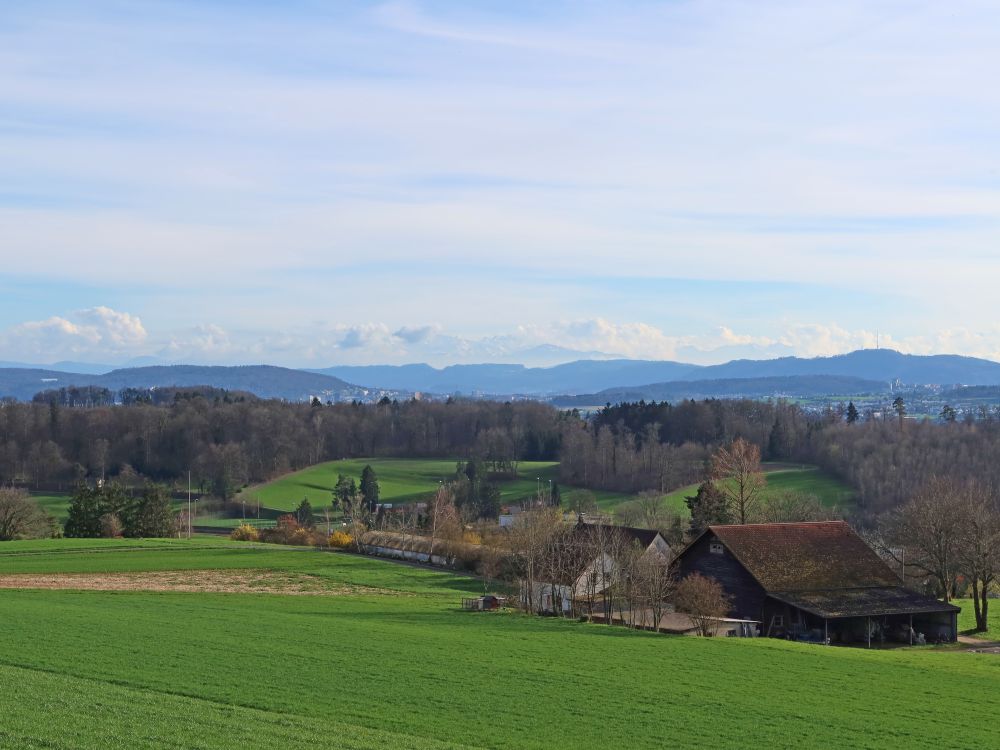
[(806, 556)]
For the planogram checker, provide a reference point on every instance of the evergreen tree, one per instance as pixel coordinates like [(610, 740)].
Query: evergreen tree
[(948, 413), (369, 488), (852, 413), (84, 519), (90, 504), (778, 443), (344, 491), (150, 515), (304, 513), (556, 495), (899, 406), (708, 506)]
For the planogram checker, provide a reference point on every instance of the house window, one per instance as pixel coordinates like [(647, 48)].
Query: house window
[(715, 548), (778, 621)]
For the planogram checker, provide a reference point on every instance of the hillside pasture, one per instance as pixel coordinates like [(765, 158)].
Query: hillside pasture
[(56, 504), (808, 480), (120, 669), (400, 481)]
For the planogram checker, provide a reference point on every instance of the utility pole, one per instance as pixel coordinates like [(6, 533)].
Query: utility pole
[(189, 503)]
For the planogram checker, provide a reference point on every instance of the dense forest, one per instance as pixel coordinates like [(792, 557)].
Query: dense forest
[(226, 442), (228, 439)]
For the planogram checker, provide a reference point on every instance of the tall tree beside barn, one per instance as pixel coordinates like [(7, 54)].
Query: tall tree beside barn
[(369, 488), (978, 549), (703, 600), (736, 467), (924, 534), (708, 506)]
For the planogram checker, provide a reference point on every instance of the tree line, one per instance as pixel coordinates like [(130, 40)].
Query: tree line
[(226, 443), (227, 440)]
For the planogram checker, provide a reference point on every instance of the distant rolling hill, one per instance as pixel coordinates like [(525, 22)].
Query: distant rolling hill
[(265, 381), (871, 364), (660, 380), (802, 386), (583, 376), (592, 376)]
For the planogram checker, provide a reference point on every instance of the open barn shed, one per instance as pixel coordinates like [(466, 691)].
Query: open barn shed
[(815, 582)]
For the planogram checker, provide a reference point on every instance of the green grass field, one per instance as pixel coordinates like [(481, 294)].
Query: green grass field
[(407, 480), (967, 619), (400, 481), (808, 480), (406, 668), (55, 504)]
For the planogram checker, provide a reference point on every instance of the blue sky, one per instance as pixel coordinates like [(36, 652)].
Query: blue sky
[(311, 183)]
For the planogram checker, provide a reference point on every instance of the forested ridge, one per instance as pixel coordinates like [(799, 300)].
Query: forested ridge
[(226, 440)]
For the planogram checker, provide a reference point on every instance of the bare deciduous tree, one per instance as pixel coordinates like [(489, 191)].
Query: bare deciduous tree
[(529, 537), (703, 600), (21, 517), (657, 586), (737, 467), (793, 507), (924, 534), (978, 547), (647, 511)]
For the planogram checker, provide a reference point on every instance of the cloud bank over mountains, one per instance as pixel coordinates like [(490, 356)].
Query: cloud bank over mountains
[(107, 336)]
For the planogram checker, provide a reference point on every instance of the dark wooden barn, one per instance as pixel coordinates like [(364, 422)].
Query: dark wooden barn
[(815, 581)]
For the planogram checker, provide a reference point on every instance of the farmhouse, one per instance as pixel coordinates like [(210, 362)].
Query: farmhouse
[(815, 581), (591, 567)]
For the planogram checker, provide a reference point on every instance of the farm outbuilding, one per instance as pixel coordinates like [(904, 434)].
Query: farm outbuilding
[(815, 582), (485, 603), (595, 567)]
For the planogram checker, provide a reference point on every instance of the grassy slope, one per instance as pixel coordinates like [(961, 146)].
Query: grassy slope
[(809, 480), (57, 505), (120, 669), (967, 619), (400, 480), (406, 480)]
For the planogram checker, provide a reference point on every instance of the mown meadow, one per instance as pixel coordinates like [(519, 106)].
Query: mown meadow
[(407, 480), (401, 666), (781, 478), (967, 619), (401, 480)]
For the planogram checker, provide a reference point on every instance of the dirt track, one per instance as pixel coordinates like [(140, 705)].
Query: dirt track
[(212, 581)]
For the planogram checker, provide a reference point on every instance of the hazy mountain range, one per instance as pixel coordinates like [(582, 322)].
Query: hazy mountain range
[(803, 386), (591, 376), (263, 380), (862, 371)]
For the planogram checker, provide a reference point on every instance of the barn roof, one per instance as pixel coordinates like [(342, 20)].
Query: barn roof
[(644, 537), (875, 601), (819, 556)]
